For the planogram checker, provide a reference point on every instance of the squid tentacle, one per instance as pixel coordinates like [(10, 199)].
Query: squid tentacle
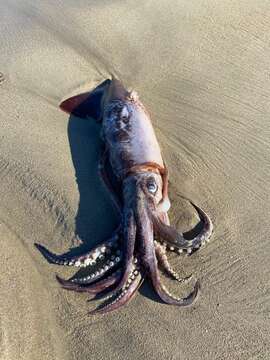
[(207, 230), (169, 298), (164, 293), (125, 294), (170, 235), (152, 264), (90, 258), (163, 260), (135, 268), (95, 288), (110, 264), (129, 237)]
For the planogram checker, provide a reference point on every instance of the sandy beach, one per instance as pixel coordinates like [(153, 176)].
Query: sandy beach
[(202, 70)]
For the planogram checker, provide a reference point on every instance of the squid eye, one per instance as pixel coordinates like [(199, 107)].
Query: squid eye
[(152, 187)]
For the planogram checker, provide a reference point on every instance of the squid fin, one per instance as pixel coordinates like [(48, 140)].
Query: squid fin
[(87, 104)]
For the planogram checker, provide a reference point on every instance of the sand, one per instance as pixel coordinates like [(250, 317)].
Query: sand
[(202, 70)]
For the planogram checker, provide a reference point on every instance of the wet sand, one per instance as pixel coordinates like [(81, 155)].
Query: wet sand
[(202, 70)]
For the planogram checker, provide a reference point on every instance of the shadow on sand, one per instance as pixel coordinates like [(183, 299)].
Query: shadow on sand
[(96, 217)]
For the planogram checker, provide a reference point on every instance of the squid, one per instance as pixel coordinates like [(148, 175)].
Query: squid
[(134, 172)]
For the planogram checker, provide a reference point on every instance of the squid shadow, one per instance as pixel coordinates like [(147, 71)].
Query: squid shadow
[(96, 217)]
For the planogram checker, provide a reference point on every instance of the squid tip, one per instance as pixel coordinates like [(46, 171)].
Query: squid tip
[(92, 312), (196, 291), (59, 279), (38, 246), (45, 252), (98, 311)]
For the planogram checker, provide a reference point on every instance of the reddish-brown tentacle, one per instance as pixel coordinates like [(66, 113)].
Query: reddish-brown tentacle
[(100, 252), (94, 288), (163, 292), (163, 261), (129, 237), (169, 298), (170, 235), (125, 294), (99, 272), (112, 263), (145, 228)]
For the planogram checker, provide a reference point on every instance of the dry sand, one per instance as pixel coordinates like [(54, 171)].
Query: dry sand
[(202, 70)]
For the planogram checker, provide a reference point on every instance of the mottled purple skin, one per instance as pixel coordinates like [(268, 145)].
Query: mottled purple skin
[(121, 263), (129, 136)]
